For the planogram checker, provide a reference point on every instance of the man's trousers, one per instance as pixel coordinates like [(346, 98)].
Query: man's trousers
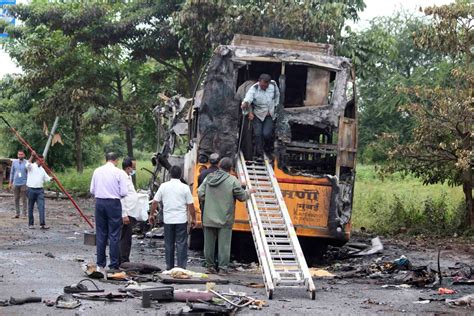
[(263, 133), (108, 222), (126, 240), (19, 191), (176, 234), (224, 237), (36, 195)]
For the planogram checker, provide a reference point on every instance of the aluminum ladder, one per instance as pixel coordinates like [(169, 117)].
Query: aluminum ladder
[(278, 249)]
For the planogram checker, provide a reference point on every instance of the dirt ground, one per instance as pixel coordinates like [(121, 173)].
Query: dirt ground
[(25, 270)]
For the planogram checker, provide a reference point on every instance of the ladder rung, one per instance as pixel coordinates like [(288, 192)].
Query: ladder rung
[(282, 255), (272, 235), (291, 282), (265, 194), (267, 203), (280, 247), (279, 226), (272, 220), (275, 201)]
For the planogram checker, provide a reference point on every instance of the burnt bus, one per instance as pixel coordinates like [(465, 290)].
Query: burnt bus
[(315, 132)]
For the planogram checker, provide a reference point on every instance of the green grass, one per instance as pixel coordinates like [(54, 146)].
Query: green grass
[(80, 183), (400, 203)]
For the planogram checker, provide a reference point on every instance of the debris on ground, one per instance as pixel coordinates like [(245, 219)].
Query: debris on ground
[(80, 287), (156, 232), (376, 247), (168, 279), (467, 300), (192, 295), (67, 301), (163, 293), (372, 302), (49, 255), (321, 273), (109, 297), (118, 276), (254, 285), (397, 286), (179, 273), (92, 271), (442, 291), (143, 268), (21, 301)]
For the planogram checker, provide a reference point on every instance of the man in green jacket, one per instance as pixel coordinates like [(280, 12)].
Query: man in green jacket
[(220, 190)]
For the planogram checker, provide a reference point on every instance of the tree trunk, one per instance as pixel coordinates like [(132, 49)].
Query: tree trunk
[(467, 189), (129, 141), (76, 125)]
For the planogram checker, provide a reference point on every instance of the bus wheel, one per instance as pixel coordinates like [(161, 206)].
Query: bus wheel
[(196, 239)]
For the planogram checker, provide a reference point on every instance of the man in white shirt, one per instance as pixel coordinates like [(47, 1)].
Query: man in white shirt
[(177, 202), (37, 176), (129, 211)]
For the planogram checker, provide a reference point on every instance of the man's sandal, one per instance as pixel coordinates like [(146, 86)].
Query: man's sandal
[(81, 288)]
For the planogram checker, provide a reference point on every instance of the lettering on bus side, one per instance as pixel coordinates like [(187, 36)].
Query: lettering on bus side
[(310, 198)]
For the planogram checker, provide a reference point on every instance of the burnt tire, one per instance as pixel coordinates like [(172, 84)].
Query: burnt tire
[(314, 249), (196, 240)]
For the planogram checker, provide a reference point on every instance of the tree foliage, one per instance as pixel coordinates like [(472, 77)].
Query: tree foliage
[(442, 145)]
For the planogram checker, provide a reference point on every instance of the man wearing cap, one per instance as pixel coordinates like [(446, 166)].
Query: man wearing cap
[(214, 161), (265, 97)]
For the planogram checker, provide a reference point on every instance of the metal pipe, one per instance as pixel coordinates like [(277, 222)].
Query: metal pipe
[(42, 163), (50, 137)]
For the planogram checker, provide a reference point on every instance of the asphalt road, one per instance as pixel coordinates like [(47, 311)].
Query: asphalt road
[(25, 270)]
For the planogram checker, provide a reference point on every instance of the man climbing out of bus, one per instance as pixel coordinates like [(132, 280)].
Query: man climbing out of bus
[(261, 102), (220, 190)]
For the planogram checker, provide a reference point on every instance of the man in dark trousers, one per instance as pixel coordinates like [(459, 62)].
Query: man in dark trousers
[(129, 211), (177, 207), (261, 104), (108, 185), (37, 177)]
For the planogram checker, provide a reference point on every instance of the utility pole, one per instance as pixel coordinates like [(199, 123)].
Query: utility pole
[(50, 137)]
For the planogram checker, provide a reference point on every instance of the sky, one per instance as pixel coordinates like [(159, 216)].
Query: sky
[(373, 9)]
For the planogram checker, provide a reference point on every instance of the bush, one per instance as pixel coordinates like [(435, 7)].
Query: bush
[(80, 183), (399, 203)]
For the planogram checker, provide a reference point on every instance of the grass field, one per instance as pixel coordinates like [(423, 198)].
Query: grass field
[(79, 183), (388, 205), (398, 203)]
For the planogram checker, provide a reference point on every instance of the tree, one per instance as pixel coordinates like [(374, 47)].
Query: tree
[(180, 35), (385, 58), (61, 73), (22, 109), (89, 83), (442, 145)]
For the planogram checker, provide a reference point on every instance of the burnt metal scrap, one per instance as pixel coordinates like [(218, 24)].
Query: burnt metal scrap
[(168, 116)]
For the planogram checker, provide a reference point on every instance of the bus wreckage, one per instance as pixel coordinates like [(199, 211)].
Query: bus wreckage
[(315, 137)]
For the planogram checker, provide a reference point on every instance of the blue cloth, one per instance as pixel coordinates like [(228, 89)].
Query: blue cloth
[(36, 195), (108, 223), (18, 173), (176, 234)]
